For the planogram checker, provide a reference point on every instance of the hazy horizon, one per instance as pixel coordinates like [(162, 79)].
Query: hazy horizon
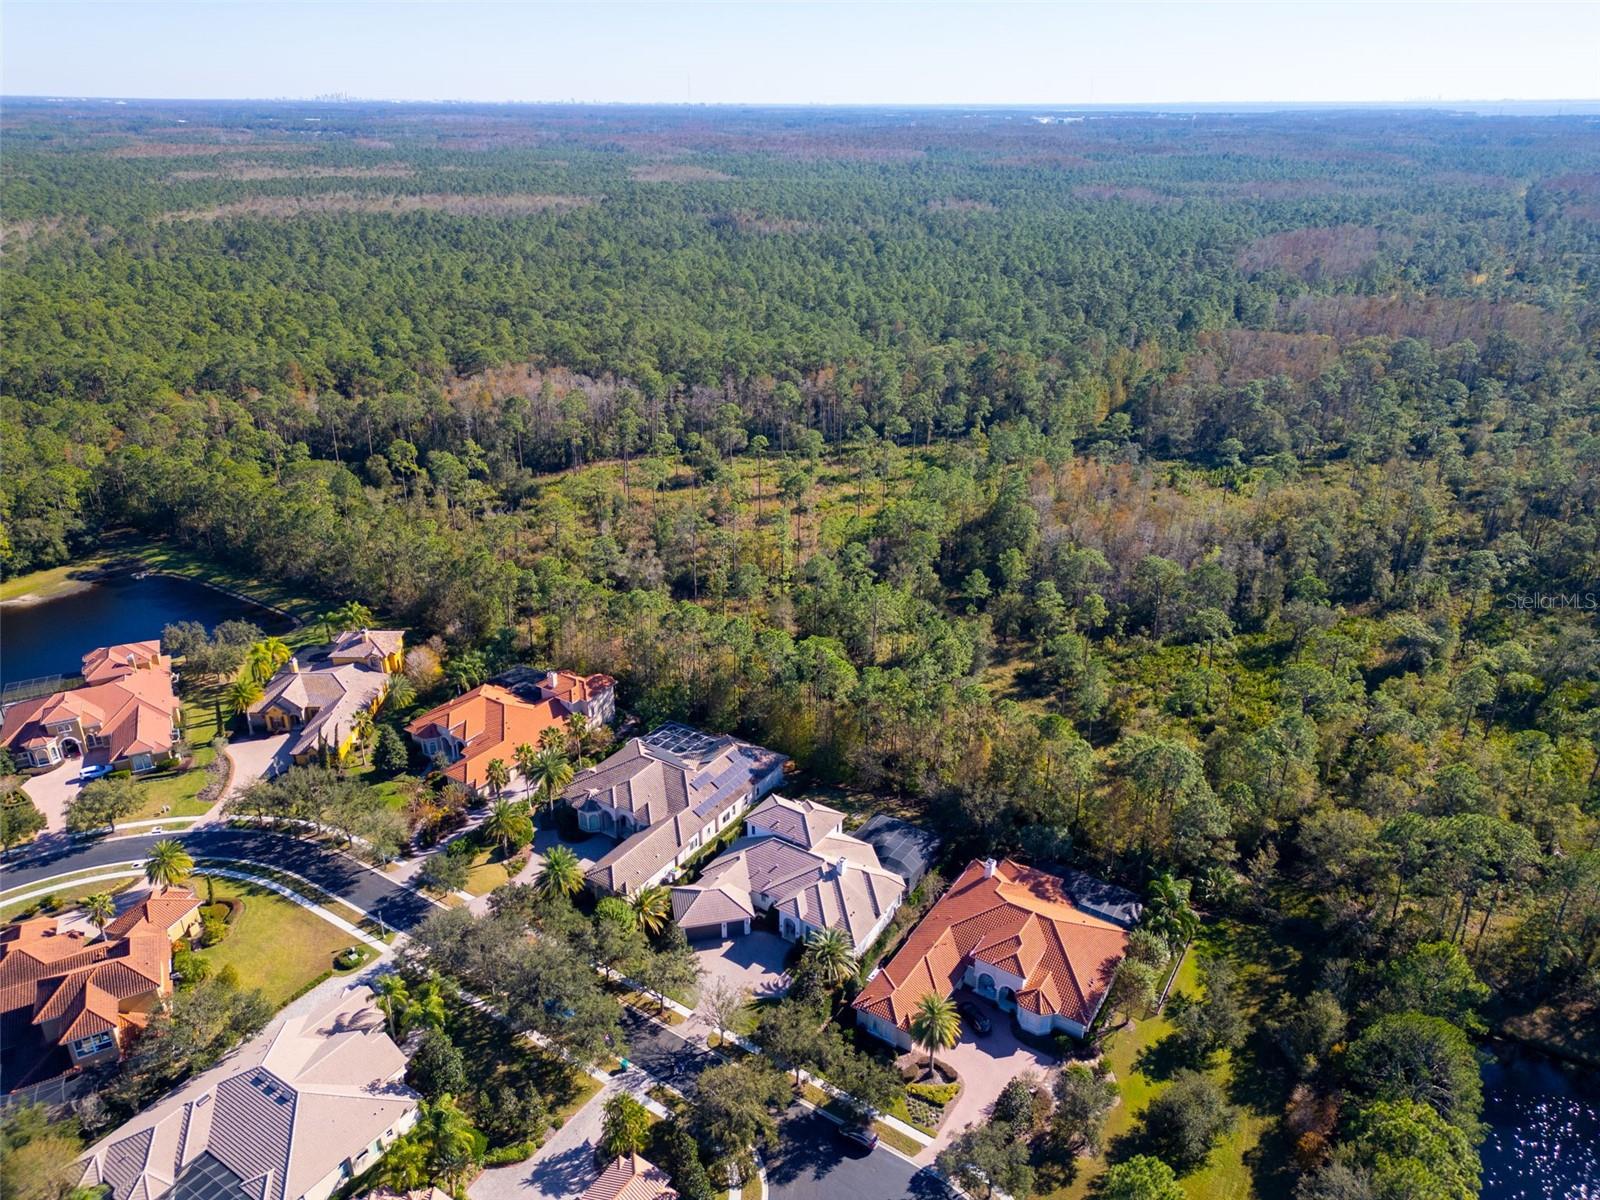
[(947, 55)]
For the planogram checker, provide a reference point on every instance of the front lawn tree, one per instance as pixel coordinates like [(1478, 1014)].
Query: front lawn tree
[(100, 908), (101, 804), (935, 1024), (1140, 1178), (626, 1128), (722, 1003), (169, 864), (1186, 1119), (562, 874), (729, 1112), (508, 826), (1084, 1098), (20, 819)]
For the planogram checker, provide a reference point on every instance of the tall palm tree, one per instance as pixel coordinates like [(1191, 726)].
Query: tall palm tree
[(553, 737), (169, 864), (526, 756), (508, 824), (652, 907), (935, 1024), (100, 908), (830, 952), (551, 773), (394, 1002), (242, 693), (266, 656), (363, 728), (578, 733), (497, 775), (563, 873)]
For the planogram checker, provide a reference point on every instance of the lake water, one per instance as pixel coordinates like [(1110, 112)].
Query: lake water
[(1544, 1131), (51, 638)]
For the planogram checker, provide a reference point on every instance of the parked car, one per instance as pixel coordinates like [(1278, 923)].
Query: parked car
[(974, 1017), (860, 1135), (95, 772)]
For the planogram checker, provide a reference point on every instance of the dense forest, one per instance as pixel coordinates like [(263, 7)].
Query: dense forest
[(1210, 497)]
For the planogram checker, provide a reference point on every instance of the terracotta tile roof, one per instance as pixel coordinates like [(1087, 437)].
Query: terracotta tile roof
[(631, 1177), (493, 721), (159, 911), (1018, 920), (136, 711), (113, 662), (270, 1120), (571, 687)]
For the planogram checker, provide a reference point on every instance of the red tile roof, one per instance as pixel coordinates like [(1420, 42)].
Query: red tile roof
[(493, 721), (135, 710), (1018, 920)]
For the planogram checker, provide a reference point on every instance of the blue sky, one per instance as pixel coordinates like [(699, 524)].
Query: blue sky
[(799, 53)]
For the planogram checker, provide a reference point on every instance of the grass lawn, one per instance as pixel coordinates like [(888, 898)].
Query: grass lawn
[(163, 556), (273, 944), (486, 872), (51, 581), (68, 894), (1247, 1161), (174, 793)]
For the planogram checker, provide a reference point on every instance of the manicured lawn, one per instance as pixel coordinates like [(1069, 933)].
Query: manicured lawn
[(174, 793), (50, 581), (161, 556), (69, 893), (487, 872), (273, 944)]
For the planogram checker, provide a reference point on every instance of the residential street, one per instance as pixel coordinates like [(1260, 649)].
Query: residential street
[(336, 874), (814, 1163)]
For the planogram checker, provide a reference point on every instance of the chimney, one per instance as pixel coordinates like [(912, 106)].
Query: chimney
[(988, 868), (838, 866), (294, 664)]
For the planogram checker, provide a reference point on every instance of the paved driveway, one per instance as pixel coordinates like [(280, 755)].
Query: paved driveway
[(753, 960), (256, 758), (562, 1168), (986, 1063), (52, 790)]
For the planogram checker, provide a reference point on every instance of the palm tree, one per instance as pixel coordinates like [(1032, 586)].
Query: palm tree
[(363, 730), (830, 953), (551, 772), (242, 693), (351, 615), (653, 909), (578, 732), (394, 1002), (508, 824), (563, 874), (428, 1006), (265, 657), (497, 775), (448, 1135), (404, 1166), (526, 756), (553, 737), (935, 1024), (169, 864), (1168, 912), (100, 908)]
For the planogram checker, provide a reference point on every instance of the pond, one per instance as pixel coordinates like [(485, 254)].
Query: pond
[(1543, 1138), (52, 636)]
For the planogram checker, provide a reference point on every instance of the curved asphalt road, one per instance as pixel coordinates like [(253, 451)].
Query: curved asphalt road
[(398, 906)]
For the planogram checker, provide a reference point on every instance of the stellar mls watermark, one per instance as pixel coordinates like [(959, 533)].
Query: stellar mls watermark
[(1551, 601)]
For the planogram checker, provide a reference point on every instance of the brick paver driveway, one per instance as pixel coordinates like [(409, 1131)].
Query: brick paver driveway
[(752, 960)]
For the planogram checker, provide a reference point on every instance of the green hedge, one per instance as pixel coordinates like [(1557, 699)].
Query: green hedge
[(936, 1094)]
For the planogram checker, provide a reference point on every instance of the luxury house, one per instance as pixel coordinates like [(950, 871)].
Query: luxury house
[(1034, 943), (631, 1177), (795, 859), (491, 721), (322, 701), (126, 715), (665, 796), (293, 1115), (68, 1002)]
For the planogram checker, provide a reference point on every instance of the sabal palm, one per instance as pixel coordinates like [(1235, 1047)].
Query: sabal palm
[(1168, 912), (831, 953), (497, 775), (242, 693), (363, 729), (100, 908), (652, 907), (351, 615), (508, 824), (169, 864), (935, 1024), (266, 656), (563, 873), (526, 756), (551, 772)]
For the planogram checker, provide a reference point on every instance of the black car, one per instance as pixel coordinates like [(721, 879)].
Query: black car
[(974, 1017), (860, 1135)]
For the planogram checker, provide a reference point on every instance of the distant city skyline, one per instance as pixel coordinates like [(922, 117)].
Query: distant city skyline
[(957, 54)]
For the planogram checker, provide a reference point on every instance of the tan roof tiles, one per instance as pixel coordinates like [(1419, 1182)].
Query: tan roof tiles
[(631, 1177)]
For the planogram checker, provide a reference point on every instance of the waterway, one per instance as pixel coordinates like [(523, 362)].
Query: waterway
[(52, 636), (1543, 1138)]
